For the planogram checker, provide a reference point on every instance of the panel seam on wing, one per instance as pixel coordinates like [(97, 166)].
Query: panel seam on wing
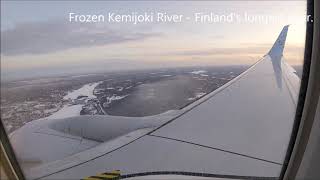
[(218, 149)]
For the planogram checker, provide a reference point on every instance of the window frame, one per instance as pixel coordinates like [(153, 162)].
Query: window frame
[(301, 127)]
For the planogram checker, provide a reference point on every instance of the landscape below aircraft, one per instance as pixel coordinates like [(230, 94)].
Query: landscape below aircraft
[(241, 129)]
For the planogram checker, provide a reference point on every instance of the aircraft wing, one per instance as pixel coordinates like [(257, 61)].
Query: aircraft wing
[(240, 130)]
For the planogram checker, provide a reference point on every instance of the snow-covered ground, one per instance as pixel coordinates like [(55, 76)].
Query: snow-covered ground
[(113, 98), (166, 75), (86, 90), (74, 110), (197, 95), (66, 111), (198, 72), (120, 88)]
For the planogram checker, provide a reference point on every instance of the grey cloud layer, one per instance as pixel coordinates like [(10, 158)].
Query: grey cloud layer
[(46, 37), (246, 49)]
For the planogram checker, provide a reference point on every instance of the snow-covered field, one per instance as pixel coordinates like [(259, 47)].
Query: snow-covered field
[(74, 110), (86, 90), (166, 75), (66, 111), (113, 98), (198, 72), (197, 95)]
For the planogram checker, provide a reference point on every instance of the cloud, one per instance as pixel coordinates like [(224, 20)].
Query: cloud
[(223, 51), (53, 36), (243, 49)]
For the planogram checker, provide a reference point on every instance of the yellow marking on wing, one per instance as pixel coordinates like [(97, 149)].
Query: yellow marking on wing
[(107, 175), (91, 178)]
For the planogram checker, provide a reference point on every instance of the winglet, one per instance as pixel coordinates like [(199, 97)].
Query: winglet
[(276, 53), (277, 49)]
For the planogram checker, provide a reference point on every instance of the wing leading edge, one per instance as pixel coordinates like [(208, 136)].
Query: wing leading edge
[(242, 128)]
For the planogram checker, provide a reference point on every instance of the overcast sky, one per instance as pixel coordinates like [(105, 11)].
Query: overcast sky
[(37, 39)]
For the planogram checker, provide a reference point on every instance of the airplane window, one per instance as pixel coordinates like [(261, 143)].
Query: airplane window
[(93, 89)]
